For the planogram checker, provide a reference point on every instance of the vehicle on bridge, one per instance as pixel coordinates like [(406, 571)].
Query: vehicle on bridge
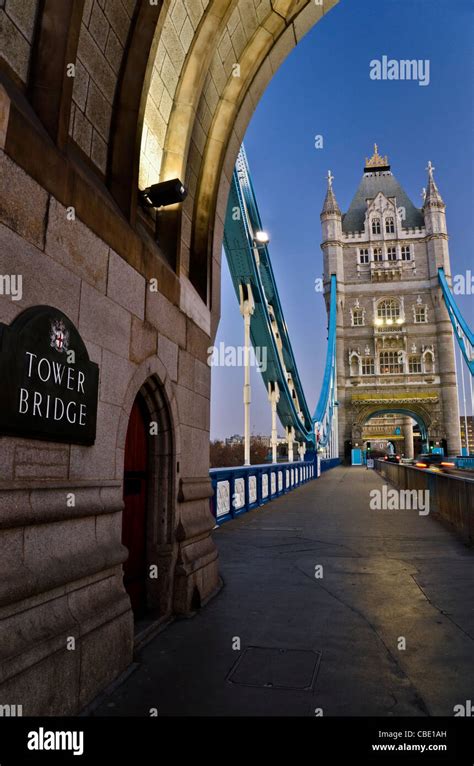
[(392, 458), (434, 462)]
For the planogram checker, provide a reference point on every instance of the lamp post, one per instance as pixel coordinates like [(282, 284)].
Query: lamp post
[(274, 397), (247, 307)]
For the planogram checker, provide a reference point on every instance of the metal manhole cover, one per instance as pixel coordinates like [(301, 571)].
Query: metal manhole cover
[(270, 668)]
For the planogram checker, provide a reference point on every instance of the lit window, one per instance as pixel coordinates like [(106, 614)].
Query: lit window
[(357, 317), (376, 226), (420, 314), (406, 253), (389, 226), (363, 256), (388, 309), (390, 362), (392, 253), (414, 363), (368, 365), (377, 253)]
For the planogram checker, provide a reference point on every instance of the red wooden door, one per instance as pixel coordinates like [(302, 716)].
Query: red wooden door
[(134, 514)]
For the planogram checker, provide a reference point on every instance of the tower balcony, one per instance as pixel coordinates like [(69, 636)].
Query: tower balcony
[(400, 380), (391, 330), (385, 271)]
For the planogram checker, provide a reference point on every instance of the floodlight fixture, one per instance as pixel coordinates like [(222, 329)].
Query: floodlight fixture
[(164, 193)]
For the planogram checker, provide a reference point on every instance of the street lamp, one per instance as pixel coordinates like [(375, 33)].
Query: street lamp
[(261, 238)]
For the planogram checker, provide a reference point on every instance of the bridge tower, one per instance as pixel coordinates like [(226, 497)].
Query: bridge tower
[(395, 348)]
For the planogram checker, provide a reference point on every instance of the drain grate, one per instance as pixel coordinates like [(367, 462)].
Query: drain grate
[(273, 668)]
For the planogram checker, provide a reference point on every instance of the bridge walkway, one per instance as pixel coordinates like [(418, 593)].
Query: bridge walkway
[(387, 575)]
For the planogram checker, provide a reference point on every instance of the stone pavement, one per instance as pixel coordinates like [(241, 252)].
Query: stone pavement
[(386, 575)]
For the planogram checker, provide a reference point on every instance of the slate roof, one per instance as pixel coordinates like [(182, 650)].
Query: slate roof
[(371, 184)]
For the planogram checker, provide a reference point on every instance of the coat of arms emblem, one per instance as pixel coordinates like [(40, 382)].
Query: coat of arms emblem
[(59, 336)]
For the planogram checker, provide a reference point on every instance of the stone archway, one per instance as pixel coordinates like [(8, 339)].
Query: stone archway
[(414, 411)]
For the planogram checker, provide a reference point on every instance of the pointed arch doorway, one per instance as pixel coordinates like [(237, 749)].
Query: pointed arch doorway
[(135, 496), (149, 496)]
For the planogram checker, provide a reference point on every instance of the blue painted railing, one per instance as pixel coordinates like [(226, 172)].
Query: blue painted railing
[(331, 462), (237, 490), (465, 461)]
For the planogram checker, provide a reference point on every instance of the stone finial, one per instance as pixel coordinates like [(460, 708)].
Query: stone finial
[(330, 203), (432, 197), (376, 161)]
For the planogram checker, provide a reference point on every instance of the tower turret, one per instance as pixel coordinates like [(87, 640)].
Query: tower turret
[(331, 226), (434, 212)]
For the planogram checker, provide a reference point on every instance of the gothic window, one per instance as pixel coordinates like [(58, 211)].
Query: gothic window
[(376, 226), (368, 365), (388, 309), (377, 253), (357, 317), (406, 253), (364, 255), (421, 315), (389, 226), (392, 253), (390, 362), (414, 363)]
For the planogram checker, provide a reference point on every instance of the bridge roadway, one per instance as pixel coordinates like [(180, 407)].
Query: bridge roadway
[(386, 574)]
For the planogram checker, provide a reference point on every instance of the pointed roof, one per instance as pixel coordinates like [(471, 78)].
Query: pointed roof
[(330, 202), (432, 197), (379, 178)]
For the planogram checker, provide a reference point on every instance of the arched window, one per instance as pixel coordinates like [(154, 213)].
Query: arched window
[(414, 363), (378, 256), (391, 253), (420, 314), (376, 226), (391, 362), (357, 317), (389, 226), (368, 365), (388, 309)]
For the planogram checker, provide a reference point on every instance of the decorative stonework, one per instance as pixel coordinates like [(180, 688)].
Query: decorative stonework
[(273, 483), (253, 488), (223, 498), (239, 494)]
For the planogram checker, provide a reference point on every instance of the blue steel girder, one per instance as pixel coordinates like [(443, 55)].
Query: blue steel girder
[(267, 325), (463, 333), (244, 271)]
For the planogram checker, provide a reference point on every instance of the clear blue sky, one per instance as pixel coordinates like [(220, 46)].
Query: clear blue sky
[(324, 87)]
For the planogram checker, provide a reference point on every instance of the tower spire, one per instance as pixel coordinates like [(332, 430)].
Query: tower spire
[(433, 197), (330, 203)]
